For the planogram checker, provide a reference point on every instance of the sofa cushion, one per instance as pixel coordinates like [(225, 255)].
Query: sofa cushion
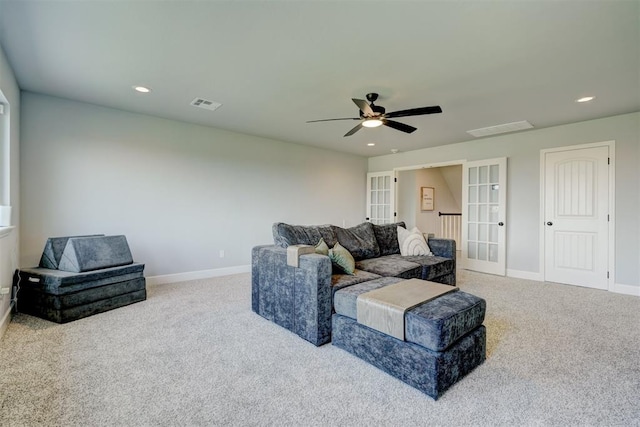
[(339, 281), (391, 266), (387, 237), (342, 258), (286, 234), (359, 240), (432, 266)]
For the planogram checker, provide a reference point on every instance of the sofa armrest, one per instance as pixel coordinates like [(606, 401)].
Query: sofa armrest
[(296, 298), (445, 248)]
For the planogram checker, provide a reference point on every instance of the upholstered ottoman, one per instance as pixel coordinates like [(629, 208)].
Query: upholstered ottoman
[(444, 338), (80, 276)]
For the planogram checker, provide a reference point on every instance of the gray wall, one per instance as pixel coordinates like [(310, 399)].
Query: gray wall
[(523, 193), (181, 193), (9, 194)]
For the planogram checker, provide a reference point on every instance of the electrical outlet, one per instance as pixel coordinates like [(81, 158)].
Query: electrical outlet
[(4, 291), (221, 253)]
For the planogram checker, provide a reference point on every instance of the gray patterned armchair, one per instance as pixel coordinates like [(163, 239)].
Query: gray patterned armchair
[(300, 299)]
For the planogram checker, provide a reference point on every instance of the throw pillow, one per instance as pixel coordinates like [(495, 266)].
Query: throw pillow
[(342, 258), (412, 242), (322, 248)]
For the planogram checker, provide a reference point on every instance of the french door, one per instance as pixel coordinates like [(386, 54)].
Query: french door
[(484, 206), (381, 197)]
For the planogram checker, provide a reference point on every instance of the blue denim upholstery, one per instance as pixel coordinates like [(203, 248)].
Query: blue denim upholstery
[(83, 275), (434, 325), (431, 372), (301, 299)]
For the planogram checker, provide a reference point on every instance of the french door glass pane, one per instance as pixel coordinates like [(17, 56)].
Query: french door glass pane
[(473, 217), (493, 253), (482, 232), (493, 174), (472, 250), (482, 213), (493, 193), (493, 233), (473, 194), (493, 213), (482, 193), (484, 175), (482, 251), (473, 235), (473, 175)]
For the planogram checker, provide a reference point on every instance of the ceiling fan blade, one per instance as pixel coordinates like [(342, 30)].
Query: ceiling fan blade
[(330, 120), (364, 107), (415, 112), (354, 130), (399, 126)]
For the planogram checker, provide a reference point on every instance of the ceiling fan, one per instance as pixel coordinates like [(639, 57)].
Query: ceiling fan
[(372, 116)]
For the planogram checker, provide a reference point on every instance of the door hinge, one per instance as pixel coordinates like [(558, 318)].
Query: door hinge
[(608, 160), (395, 214), (607, 274), (395, 179), (608, 218)]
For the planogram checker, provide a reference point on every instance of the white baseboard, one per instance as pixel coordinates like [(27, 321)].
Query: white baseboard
[(619, 288), (529, 275), (196, 275)]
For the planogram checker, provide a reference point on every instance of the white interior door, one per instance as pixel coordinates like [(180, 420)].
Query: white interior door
[(380, 197), (576, 220), (484, 207)]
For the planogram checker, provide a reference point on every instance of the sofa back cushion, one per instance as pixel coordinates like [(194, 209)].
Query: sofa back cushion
[(387, 237), (360, 240), (286, 234)]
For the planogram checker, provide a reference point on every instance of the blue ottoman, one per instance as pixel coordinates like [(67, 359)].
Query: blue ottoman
[(444, 338)]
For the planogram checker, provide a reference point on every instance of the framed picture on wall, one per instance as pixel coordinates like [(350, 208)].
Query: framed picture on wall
[(427, 198)]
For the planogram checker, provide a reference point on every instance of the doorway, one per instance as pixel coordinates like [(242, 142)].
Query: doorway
[(446, 182)]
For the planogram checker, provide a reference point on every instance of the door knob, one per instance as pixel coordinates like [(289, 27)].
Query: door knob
[(549, 223), (501, 223)]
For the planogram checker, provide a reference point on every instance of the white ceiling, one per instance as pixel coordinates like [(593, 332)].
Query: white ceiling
[(276, 64)]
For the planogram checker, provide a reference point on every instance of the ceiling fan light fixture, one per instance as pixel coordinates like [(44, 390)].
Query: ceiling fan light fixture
[(372, 123)]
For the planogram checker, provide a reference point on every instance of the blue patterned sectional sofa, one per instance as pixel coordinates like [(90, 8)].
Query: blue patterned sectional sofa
[(301, 299)]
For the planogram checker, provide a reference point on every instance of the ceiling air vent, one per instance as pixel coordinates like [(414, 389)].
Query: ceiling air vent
[(507, 127), (206, 104)]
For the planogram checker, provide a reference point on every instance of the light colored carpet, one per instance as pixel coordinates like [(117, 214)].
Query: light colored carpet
[(195, 354)]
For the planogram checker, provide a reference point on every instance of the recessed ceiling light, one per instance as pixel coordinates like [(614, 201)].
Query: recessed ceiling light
[(585, 99), (141, 89), (371, 144)]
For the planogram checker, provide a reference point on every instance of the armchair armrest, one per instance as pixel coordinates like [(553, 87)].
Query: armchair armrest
[(296, 298)]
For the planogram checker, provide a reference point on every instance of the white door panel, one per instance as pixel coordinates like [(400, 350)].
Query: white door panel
[(576, 198)]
